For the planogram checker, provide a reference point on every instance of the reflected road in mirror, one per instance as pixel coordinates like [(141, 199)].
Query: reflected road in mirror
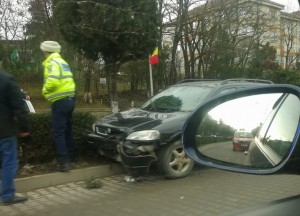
[(223, 151), (253, 131)]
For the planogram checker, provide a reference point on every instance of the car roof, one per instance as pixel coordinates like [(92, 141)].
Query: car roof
[(215, 82), (219, 87), (227, 83)]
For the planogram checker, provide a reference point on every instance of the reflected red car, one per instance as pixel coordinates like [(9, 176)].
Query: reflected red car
[(241, 140)]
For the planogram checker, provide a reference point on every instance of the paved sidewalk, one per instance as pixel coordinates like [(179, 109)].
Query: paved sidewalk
[(206, 192), (42, 201)]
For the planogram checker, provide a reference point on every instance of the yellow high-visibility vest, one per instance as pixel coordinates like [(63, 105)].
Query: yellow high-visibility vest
[(58, 78)]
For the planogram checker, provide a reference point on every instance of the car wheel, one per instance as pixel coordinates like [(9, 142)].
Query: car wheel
[(173, 162)]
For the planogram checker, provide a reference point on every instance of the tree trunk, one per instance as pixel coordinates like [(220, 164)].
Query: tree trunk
[(112, 69), (87, 86), (173, 72)]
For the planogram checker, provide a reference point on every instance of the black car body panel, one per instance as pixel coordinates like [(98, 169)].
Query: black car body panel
[(165, 112)]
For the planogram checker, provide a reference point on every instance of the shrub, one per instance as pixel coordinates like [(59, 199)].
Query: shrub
[(39, 146)]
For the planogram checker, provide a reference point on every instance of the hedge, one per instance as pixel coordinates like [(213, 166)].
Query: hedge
[(39, 146)]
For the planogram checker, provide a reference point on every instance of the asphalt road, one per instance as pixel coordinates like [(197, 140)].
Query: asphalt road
[(205, 192), (223, 151)]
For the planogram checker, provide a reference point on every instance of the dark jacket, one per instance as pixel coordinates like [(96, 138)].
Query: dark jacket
[(13, 113)]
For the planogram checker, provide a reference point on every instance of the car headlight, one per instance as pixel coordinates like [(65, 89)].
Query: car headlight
[(146, 135)]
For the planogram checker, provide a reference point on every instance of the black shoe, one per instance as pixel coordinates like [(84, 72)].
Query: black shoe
[(64, 168), (15, 199)]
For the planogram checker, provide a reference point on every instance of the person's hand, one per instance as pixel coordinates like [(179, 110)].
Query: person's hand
[(24, 134)]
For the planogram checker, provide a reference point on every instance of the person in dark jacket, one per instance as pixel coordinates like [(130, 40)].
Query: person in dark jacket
[(13, 121)]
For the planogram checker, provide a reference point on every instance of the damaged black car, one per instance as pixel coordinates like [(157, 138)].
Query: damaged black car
[(151, 134)]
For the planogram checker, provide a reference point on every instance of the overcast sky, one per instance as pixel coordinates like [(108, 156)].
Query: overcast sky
[(290, 5)]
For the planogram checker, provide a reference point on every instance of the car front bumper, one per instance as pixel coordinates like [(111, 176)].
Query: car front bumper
[(241, 147), (104, 146), (136, 158), (137, 165)]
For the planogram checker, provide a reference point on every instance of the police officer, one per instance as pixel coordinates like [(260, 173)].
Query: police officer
[(59, 89)]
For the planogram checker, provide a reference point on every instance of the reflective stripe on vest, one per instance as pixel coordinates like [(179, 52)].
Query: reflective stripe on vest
[(58, 95)]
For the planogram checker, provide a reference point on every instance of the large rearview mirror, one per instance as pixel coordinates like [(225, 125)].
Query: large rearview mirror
[(253, 132)]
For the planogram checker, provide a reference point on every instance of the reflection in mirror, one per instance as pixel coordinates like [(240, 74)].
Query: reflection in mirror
[(254, 131)]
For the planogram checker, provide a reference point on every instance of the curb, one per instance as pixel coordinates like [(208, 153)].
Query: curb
[(53, 179)]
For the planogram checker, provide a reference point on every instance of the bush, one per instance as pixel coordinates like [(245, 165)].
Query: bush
[(283, 76), (39, 147)]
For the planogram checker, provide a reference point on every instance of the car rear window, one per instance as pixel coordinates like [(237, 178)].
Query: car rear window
[(242, 134)]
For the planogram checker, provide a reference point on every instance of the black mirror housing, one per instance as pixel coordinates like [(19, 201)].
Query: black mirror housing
[(213, 150)]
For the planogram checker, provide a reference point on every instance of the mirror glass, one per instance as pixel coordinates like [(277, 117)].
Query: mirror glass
[(253, 131)]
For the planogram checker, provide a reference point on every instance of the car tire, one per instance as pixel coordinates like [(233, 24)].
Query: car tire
[(173, 162)]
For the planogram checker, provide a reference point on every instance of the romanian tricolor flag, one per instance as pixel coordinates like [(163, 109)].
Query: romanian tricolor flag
[(154, 57)]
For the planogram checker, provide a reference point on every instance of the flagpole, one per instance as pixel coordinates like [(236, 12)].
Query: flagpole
[(151, 80)]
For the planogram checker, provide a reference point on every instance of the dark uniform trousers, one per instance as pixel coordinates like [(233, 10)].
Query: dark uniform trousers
[(62, 111)]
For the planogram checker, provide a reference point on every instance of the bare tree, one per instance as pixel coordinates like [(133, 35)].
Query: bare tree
[(177, 28), (220, 36), (13, 17), (42, 25), (173, 29)]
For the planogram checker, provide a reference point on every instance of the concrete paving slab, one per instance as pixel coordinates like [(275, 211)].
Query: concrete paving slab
[(47, 180)]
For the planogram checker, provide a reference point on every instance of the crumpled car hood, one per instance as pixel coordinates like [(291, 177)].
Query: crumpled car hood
[(138, 119)]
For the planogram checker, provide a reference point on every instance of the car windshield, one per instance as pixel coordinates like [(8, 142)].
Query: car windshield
[(177, 98), (242, 134)]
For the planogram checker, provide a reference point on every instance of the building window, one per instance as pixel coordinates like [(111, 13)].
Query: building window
[(272, 14), (273, 36)]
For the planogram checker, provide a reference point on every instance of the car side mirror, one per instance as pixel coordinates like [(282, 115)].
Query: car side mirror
[(252, 131)]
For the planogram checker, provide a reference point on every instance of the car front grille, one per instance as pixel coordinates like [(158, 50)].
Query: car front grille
[(109, 132)]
